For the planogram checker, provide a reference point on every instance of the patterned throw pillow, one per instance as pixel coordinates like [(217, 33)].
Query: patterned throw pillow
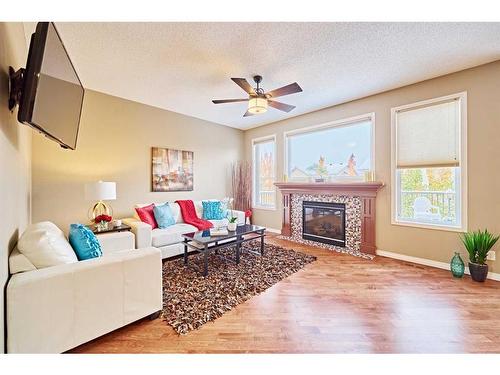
[(212, 210), (163, 215), (84, 242), (146, 214)]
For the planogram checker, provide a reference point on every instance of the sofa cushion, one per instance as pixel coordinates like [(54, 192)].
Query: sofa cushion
[(163, 215), (198, 206), (170, 235), (19, 263), (84, 242), (226, 203), (146, 214), (212, 210), (44, 245), (116, 241), (139, 206), (176, 212)]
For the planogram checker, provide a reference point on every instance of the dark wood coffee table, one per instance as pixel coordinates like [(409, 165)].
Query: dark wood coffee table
[(203, 243)]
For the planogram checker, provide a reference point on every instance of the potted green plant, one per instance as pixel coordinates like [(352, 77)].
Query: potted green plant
[(233, 220), (478, 244), (232, 224)]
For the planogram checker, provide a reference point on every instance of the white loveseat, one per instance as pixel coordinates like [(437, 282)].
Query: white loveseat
[(169, 240), (54, 309)]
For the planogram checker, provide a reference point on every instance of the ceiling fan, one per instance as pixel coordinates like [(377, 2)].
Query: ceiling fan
[(258, 100)]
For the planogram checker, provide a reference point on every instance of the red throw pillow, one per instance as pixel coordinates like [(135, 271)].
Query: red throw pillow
[(146, 214)]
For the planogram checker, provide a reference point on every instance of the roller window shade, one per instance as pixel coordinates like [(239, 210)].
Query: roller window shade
[(429, 136)]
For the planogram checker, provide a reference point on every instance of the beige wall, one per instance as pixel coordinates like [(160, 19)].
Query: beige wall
[(483, 88), (15, 159), (114, 144)]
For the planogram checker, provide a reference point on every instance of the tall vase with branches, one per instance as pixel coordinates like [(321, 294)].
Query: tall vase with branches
[(242, 185)]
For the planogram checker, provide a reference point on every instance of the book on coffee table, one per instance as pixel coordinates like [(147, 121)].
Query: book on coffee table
[(218, 232)]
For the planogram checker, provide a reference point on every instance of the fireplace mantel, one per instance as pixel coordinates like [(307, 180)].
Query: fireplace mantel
[(359, 189), (366, 191)]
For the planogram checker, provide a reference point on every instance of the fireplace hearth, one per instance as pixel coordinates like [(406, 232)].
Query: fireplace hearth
[(324, 222)]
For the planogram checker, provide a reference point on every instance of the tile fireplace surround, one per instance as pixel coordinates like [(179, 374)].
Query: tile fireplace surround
[(359, 200)]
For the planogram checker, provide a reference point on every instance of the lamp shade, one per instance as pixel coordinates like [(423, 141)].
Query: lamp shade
[(100, 191)]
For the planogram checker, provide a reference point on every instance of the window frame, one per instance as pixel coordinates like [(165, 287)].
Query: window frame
[(462, 139), (345, 122), (271, 137)]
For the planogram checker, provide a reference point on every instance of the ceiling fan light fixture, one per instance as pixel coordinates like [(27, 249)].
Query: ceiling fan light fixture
[(257, 105)]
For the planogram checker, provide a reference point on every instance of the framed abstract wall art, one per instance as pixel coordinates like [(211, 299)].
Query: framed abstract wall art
[(172, 170)]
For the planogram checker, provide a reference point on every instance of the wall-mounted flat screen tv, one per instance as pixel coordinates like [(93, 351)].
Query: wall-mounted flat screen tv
[(52, 95)]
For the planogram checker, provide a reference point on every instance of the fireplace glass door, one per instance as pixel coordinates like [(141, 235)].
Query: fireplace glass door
[(324, 222)]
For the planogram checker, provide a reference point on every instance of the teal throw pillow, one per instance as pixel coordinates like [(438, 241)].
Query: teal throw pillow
[(212, 210), (164, 216), (84, 242)]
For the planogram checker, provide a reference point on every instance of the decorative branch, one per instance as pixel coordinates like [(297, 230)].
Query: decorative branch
[(242, 185)]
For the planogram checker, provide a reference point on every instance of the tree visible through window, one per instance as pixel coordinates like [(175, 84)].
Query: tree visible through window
[(326, 154), (434, 188)]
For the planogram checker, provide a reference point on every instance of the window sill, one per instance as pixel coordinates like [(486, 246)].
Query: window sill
[(265, 208), (440, 227)]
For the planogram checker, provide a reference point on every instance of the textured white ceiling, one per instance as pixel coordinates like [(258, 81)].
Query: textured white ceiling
[(183, 66)]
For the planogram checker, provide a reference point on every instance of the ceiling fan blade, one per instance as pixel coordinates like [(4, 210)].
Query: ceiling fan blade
[(248, 114), (281, 106), (243, 83), (292, 88), (228, 101)]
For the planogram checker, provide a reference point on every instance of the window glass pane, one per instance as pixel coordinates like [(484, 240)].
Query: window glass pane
[(429, 195), (264, 170), (343, 151)]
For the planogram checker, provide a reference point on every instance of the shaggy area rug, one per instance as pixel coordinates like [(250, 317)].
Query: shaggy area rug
[(191, 300)]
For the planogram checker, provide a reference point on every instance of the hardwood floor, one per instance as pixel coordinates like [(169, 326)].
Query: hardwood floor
[(338, 304)]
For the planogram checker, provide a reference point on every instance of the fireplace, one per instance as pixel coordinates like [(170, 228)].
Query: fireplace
[(324, 222), (359, 220)]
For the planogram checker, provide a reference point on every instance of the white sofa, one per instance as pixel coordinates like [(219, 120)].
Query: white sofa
[(169, 240), (54, 309)]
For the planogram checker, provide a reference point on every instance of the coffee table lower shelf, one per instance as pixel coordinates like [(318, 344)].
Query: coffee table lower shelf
[(214, 244)]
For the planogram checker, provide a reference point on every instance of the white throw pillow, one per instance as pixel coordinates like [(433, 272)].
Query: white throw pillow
[(45, 245)]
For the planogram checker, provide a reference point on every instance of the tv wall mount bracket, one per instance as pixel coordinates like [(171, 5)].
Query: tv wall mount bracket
[(16, 81)]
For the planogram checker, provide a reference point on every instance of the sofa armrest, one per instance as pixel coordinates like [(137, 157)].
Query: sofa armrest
[(116, 241), (141, 231), (54, 309)]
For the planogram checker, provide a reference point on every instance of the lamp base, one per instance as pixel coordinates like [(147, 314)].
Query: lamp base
[(100, 208)]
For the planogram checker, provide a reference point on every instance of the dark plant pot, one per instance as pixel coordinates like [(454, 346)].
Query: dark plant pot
[(478, 272)]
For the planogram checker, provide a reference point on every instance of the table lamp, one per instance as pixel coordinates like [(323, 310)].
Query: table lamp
[(100, 191)]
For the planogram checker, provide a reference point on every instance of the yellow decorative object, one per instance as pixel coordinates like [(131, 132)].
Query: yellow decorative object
[(100, 191), (369, 176)]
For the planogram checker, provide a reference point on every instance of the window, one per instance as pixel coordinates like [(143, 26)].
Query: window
[(264, 172), (338, 150), (428, 163)]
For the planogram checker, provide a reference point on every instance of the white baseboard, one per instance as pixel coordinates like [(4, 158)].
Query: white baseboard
[(273, 230), (428, 262)]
